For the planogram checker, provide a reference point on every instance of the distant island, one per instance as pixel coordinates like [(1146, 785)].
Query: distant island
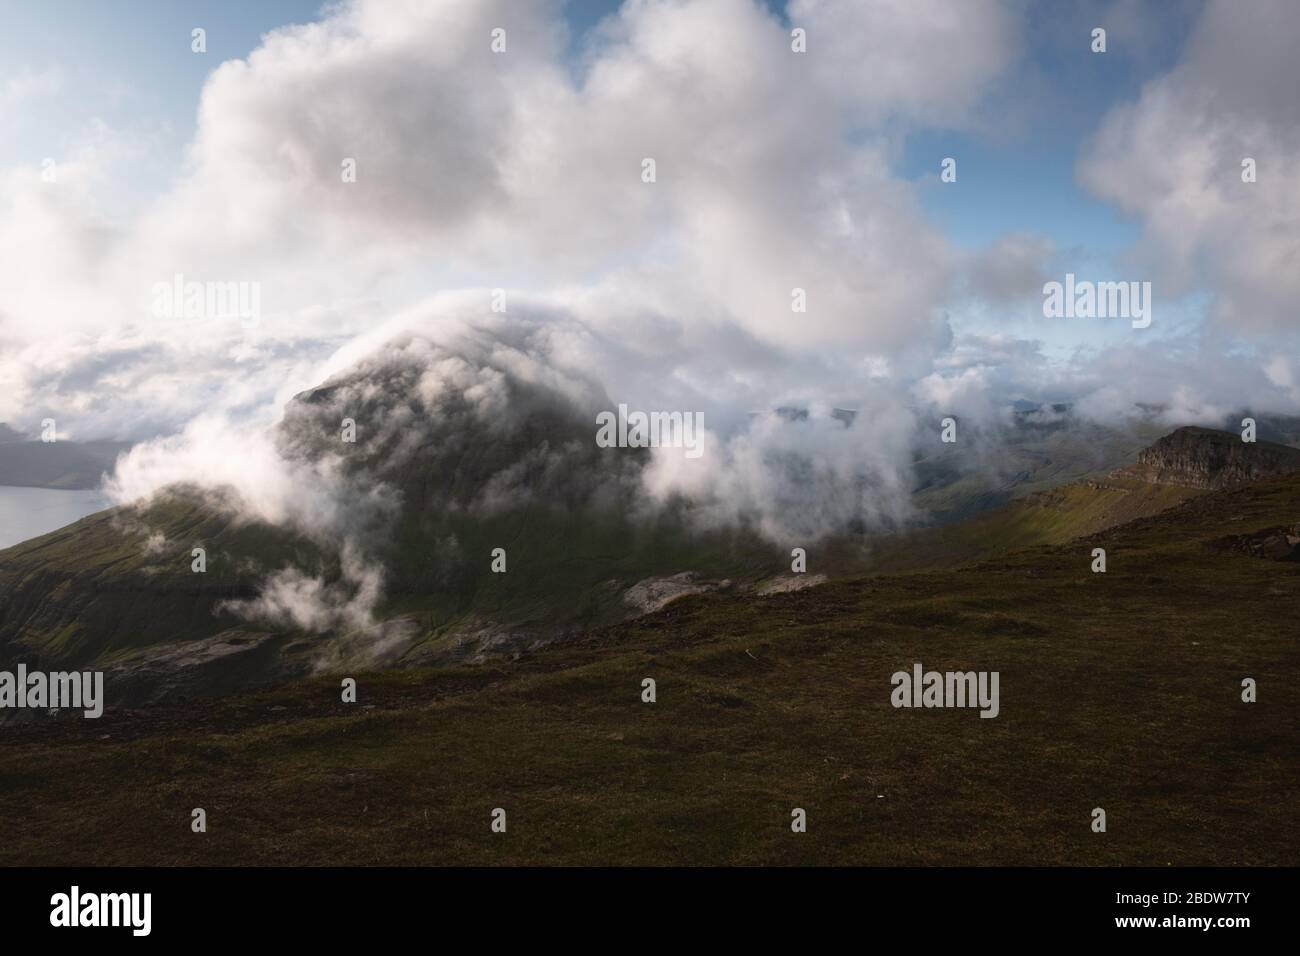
[(69, 465)]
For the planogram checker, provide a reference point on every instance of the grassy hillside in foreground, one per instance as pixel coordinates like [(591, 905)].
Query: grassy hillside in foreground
[(1119, 690)]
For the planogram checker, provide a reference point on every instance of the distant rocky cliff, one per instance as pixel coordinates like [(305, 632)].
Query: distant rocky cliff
[(1205, 458)]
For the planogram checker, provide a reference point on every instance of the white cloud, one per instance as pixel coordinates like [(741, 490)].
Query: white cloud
[(1174, 159), (17, 89), (477, 169), (1012, 270), (929, 63)]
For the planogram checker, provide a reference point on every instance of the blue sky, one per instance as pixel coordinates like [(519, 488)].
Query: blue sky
[(126, 68)]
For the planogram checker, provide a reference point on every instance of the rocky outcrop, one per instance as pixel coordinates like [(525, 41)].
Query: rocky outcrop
[(1272, 544), (786, 583), (1204, 458), (653, 594)]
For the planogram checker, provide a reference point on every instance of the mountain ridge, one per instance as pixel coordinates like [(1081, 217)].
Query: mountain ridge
[(444, 471), (1207, 458)]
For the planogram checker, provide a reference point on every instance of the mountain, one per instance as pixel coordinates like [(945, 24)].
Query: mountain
[(59, 464), (1169, 471), (387, 556), (405, 474), (1042, 448), (1205, 458), (1046, 446)]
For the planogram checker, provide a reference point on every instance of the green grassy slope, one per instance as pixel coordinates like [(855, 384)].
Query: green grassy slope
[(96, 590), (1119, 690), (1048, 517)]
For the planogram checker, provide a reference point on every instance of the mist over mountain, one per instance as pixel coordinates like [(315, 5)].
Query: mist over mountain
[(442, 498)]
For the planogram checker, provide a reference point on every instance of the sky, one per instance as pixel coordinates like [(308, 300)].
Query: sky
[(128, 159)]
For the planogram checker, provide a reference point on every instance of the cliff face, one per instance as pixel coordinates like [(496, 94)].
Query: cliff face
[(1205, 458)]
